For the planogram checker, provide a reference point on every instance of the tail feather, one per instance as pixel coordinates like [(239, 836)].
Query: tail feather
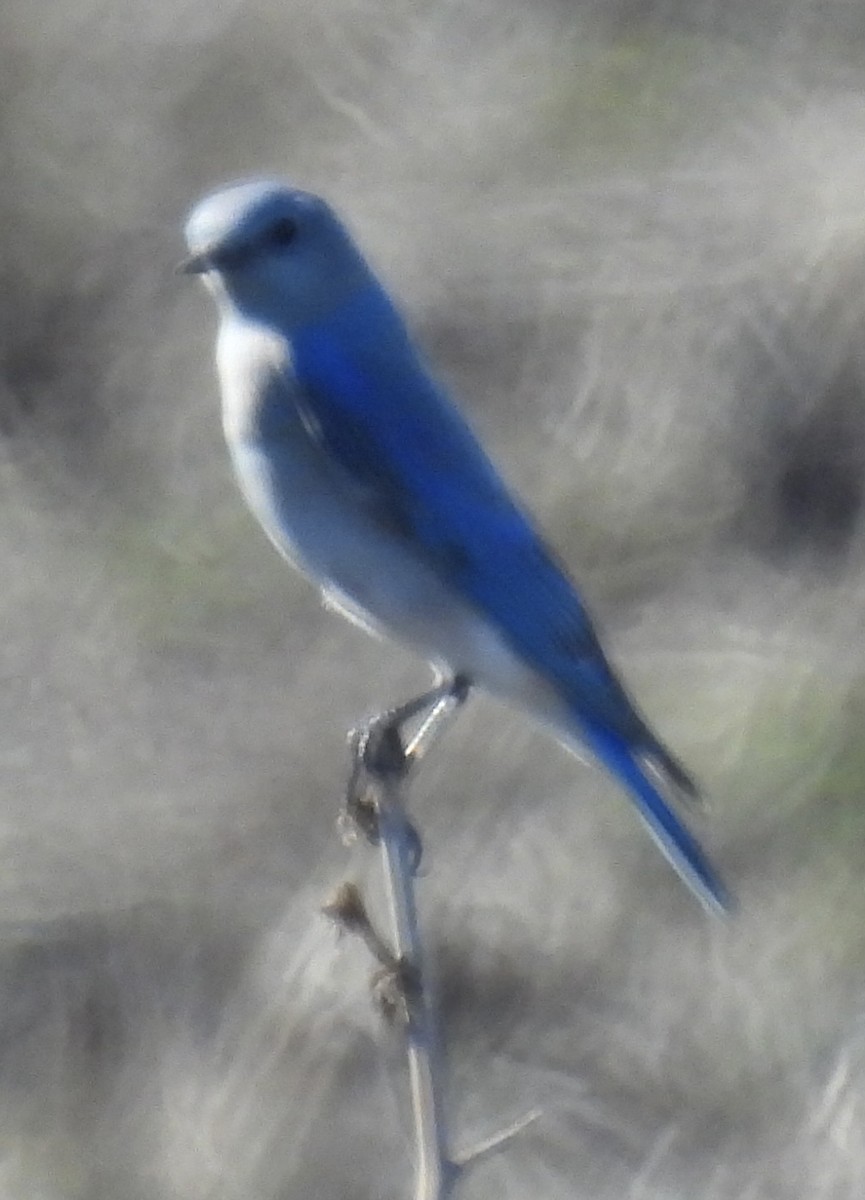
[(673, 771), (678, 844)]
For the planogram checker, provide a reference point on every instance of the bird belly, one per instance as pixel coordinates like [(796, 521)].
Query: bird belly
[(375, 577)]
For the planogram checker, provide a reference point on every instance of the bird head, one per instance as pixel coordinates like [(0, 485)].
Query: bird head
[(273, 252)]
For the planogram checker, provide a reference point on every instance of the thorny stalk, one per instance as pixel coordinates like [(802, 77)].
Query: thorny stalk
[(382, 764)]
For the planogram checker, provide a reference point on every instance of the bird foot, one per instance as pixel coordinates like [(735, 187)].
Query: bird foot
[(380, 752)]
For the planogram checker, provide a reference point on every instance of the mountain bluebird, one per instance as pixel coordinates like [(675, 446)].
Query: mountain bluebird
[(364, 474)]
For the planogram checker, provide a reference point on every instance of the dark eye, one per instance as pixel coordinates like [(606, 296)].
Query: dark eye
[(282, 232)]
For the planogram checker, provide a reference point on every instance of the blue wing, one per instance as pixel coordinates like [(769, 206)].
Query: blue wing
[(377, 412)]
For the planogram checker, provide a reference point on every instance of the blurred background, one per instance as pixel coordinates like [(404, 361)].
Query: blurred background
[(631, 236)]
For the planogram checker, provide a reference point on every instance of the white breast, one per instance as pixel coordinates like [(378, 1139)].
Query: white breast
[(315, 516)]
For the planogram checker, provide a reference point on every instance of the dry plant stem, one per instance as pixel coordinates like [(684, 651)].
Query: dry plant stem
[(389, 763), (436, 1174), (375, 801)]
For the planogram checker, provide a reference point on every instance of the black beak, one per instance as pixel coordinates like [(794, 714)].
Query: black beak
[(193, 264)]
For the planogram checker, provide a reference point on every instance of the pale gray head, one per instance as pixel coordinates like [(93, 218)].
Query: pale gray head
[(272, 252)]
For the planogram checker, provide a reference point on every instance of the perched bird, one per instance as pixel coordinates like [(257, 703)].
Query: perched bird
[(367, 478)]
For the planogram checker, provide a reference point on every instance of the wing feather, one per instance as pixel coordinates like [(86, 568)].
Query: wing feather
[(425, 477)]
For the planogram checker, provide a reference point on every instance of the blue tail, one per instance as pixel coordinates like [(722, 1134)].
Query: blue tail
[(676, 842)]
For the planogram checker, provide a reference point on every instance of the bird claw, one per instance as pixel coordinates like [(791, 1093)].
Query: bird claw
[(379, 752)]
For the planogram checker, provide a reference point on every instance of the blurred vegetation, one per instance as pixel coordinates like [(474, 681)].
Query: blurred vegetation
[(631, 237)]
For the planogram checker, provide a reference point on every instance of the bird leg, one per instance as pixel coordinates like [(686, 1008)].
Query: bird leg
[(380, 752)]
